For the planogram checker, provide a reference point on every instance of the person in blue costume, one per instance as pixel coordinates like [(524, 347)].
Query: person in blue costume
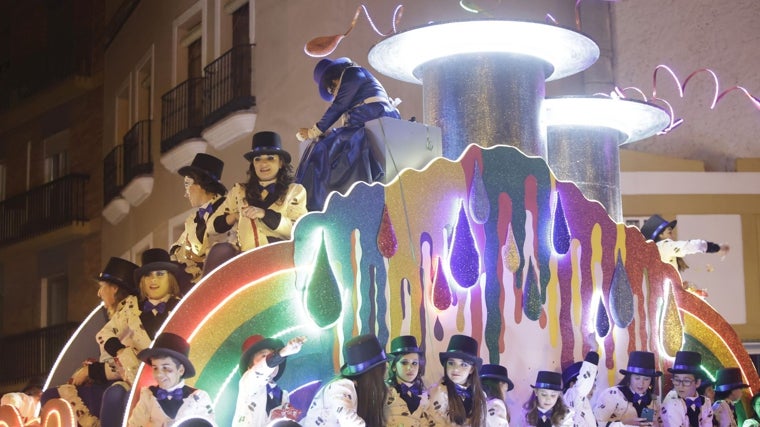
[(335, 160)]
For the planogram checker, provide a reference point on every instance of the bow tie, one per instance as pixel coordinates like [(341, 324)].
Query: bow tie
[(695, 403), (274, 391), (269, 188), (209, 209), (149, 306), (464, 393), (412, 390), (175, 394), (545, 415), (638, 398)]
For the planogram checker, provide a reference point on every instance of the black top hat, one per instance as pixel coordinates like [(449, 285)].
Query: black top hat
[(266, 142), (496, 372), (548, 380), (404, 344), (361, 354), (173, 345), (641, 363), (729, 379), (687, 362), (121, 273), (325, 71), (256, 343), (155, 259), (461, 347), (655, 225), (207, 165)]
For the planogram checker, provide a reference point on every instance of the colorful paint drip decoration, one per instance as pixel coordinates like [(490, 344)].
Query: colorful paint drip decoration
[(386, 236), (621, 296), (560, 231), (441, 289), (464, 261), (671, 325), (532, 298), (323, 296), (602, 320), (478, 198)]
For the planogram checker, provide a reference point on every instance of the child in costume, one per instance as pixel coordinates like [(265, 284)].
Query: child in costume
[(205, 191), (729, 388), (632, 399), (408, 402), (754, 421), (545, 407), (496, 384), (458, 399), (344, 156), (264, 209), (170, 401), (687, 408), (579, 380), (262, 364), (672, 251), (355, 397)]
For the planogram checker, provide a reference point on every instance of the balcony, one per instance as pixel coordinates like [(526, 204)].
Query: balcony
[(181, 124), (32, 354), (138, 164), (46, 208), (228, 102)]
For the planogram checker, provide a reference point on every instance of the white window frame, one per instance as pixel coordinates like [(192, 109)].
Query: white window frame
[(180, 25), (141, 64)]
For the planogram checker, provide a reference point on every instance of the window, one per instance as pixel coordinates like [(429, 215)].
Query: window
[(190, 44), (55, 293), (56, 157), (2, 181), (123, 119), (144, 88)]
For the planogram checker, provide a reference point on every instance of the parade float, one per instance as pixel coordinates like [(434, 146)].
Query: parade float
[(513, 236)]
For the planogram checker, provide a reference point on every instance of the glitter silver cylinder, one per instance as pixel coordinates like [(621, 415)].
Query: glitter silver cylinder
[(486, 99), (589, 157)]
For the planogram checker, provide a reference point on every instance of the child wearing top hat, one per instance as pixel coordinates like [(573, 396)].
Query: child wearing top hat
[(355, 397), (631, 401), (170, 400), (545, 407), (672, 251), (496, 384), (729, 388), (86, 391), (264, 209), (261, 365), (754, 421), (408, 402), (344, 156), (205, 192), (579, 381), (458, 399), (687, 408)]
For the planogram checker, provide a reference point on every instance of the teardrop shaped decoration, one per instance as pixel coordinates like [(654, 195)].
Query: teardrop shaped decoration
[(478, 198), (441, 290), (621, 296), (671, 325), (464, 261), (387, 243), (602, 319), (531, 294), (438, 329), (509, 254), (322, 292), (560, 232)]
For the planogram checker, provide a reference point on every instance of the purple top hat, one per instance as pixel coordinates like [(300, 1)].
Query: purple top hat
[(641, 363), (461, 347), (655, 225), (729, 379), (172, 345), (267, 142), (687, 362), (121, 273), (548, 380), (496, 372), (361, 354), (325, 71), (405, 344)]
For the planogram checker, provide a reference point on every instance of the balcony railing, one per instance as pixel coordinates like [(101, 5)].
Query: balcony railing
[(113, 174), (32, 354), (137, 159), (43, 209), (227, 84), (181, 113)]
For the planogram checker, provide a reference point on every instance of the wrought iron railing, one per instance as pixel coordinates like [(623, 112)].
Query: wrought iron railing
[(45, 208), (137, 158), (228, 84), (113, 174), (32, 354), (181, 113)]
